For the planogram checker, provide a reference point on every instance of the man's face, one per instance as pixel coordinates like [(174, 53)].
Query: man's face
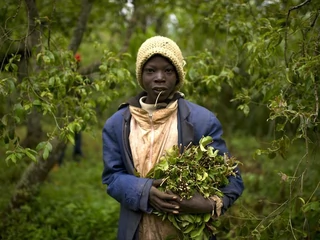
[(158, 75)]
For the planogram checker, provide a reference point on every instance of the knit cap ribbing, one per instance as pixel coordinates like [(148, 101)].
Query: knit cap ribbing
[(165, 47)]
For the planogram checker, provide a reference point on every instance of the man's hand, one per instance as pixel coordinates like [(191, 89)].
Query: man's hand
[(196, 204), (162, 202)]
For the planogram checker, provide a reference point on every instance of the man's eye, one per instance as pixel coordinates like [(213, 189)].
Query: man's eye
[(169, 70), (149, 70)]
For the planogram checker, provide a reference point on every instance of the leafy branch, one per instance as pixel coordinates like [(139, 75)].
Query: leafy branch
[(198, 169)]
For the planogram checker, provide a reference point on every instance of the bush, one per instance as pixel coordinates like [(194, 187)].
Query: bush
[(71, 204), (281, 196), (51, 219)]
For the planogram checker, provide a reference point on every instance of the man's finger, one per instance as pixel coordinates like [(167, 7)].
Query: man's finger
[(166, 207), (157, 182)]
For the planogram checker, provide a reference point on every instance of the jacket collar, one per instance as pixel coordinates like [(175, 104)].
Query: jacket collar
[(134, 101), (186, 131), (185, 128)]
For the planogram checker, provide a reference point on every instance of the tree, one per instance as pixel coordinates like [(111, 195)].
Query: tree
[(44, 86)]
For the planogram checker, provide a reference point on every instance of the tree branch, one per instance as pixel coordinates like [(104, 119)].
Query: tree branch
[(287, 25), (33, 15), (81, 25), (35, 174), (131, 27), (92, 68)]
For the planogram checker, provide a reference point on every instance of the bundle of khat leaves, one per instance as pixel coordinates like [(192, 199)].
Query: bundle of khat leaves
[(197, 169)]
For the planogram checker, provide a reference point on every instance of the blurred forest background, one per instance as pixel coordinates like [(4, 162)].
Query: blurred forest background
[(65, 66)]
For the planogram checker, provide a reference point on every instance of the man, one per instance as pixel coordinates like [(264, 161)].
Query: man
[(138, 134)]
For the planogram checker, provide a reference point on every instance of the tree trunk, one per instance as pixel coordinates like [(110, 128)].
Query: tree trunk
[(34, 129), (35, 174), (35, 133)]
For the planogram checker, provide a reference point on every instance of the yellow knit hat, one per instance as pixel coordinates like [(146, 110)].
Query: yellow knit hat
[(165, 47)]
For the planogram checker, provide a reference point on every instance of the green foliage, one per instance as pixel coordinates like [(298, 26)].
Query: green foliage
[(267, 187), (272, 205), (72, 203), (198, 169), (44, 91), (63, 220)]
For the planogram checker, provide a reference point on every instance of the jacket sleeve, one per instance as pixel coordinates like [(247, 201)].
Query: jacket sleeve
[(131, 191), (213, 128)]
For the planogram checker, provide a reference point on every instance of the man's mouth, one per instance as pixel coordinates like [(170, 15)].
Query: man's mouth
[(158, 90)]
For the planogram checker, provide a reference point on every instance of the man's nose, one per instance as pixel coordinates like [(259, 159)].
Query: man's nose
[(160, 76)]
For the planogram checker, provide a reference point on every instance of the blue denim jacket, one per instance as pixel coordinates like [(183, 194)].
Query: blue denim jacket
[(132, 192)]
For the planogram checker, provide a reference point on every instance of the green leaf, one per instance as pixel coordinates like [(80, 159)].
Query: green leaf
[(211, 153), (50, 55), (11, 84), (40, 146), (103, 68), (197, 218), (311, 206), (70, 137), (45, 154), (245, 108), (187, 217), (193, 75), (302, 200), (36, 102), (199, 177), (47, 149), (46, 59), (189, 228), (18, 107), (183, 223), (198, 154), (39, 55), (206, 217), (272, 155), (172, 219), (197, 232), (49, 146), (205, 175), (4, 119), (204, 141), (51, 81), (12, 157), (30, 153)]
